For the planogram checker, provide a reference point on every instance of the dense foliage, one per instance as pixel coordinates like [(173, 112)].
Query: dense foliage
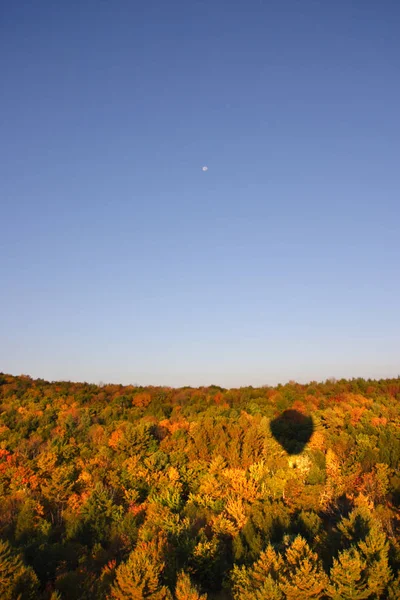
[(126, 492)]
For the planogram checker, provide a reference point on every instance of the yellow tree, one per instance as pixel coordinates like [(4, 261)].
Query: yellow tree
[(361, 571), (394, 589), (303, 577), (365, 566), (348, 577), (185, 590), (258, 582), (139, 576)]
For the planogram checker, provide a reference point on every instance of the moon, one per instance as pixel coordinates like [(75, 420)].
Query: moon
[(204, 169)]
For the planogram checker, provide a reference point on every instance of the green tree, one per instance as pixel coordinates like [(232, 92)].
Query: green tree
[(362, 569), (17, 582)]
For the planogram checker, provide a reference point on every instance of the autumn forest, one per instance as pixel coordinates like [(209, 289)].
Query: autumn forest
[(273, 493)]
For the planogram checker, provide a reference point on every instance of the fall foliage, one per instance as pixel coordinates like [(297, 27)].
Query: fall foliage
[(113, 492)]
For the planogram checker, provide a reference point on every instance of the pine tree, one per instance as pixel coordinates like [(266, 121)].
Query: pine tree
[(365, 566), (258, 582), (348, 577), (303, 577), (185, 590), (139, 576), (16, 580), (375, 550), (394, 589)]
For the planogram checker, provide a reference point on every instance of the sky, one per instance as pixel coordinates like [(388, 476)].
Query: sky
[(123, 260)]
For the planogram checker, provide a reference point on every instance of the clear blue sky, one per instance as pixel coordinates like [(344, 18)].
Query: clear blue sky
[(121, 260)]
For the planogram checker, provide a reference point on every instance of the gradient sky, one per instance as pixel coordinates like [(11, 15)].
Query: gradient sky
[(122, 260)]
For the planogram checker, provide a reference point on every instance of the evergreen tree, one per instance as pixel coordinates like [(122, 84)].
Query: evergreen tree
[(363, 569), (258, 582), (394, 589), (303, 577), (375, 551), (185, 590), (17, 582), (139, 576), (348, 577)]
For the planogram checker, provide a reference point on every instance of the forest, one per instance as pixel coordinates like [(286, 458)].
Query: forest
[(273, 493)]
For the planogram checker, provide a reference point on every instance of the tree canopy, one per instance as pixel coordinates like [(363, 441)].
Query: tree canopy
[(286, 492)]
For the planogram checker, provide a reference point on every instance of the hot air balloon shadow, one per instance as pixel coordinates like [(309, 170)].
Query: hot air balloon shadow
[(292, 430)]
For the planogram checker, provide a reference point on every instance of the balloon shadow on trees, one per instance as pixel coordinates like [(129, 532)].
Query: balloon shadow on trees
[(292, 430)]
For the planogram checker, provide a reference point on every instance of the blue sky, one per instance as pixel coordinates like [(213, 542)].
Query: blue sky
[(121, 260)]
